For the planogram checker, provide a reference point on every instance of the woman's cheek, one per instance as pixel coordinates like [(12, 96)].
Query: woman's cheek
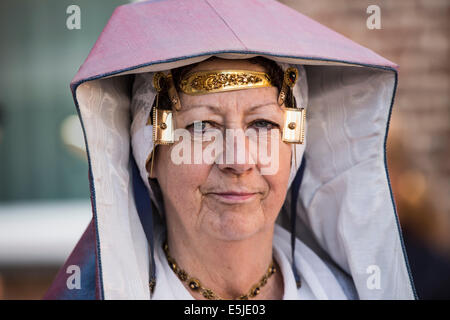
[(278, 182), (186, 179)]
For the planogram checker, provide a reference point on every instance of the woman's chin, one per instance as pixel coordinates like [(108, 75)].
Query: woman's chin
[(233, 225)]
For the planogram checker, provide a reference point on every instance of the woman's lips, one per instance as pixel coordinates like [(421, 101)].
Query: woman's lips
[(233, 197)]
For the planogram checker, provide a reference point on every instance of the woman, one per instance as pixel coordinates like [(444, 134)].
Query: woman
[(300, 221), (220, 221)]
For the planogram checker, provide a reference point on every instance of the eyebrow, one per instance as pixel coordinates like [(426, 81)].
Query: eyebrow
[(217, 109)]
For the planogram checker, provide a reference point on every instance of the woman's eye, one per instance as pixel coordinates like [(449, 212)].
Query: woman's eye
[(199, 126), (264, 124)]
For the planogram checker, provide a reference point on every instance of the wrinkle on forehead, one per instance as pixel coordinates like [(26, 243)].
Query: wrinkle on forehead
[(245, 100)]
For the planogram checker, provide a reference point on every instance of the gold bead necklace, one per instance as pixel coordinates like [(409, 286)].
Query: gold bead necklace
[(196, 286)]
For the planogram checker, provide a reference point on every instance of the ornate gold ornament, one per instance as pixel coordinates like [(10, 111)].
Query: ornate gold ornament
[(163, 122), (294, 125), (172, 91), (203, 82), (294, 118), (163, 125), (163, 132), (289, 80)]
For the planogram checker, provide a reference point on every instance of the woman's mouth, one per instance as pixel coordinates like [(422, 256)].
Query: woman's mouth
[(233, 197)]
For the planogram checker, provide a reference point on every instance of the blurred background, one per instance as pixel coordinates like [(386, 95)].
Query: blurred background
[(44, 192)]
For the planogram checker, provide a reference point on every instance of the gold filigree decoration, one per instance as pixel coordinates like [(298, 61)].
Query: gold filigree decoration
[(203, 82)]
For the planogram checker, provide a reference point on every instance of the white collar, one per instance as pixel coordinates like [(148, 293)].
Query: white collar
[(169, 287)]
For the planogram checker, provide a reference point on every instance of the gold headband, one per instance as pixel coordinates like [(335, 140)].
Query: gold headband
[(203, 82)]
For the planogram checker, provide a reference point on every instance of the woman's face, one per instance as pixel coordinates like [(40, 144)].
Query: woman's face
[(228, 201)]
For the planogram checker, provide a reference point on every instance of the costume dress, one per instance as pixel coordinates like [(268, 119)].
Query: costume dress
[(346, 229)]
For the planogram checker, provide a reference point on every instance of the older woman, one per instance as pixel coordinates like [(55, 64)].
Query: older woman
[(220, 221), (185, 203)]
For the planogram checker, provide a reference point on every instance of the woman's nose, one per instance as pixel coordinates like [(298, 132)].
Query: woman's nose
[(236, 169), (237, 156)]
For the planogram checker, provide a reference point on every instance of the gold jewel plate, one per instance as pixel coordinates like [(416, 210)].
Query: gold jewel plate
[(203, 82)]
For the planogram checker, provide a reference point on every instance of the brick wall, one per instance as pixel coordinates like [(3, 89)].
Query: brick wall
[(416, 35)]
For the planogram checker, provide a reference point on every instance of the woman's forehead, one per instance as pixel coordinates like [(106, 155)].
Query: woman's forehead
[(245, 101)]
